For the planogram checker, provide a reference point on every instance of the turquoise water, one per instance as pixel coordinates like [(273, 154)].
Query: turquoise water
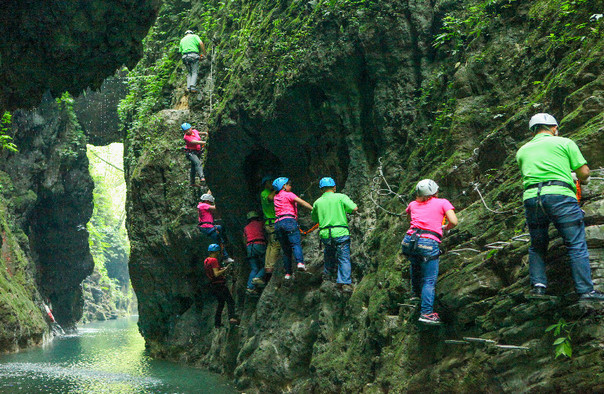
[(103, 357)]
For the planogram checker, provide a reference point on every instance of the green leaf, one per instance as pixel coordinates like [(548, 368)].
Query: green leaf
[(551, 327), (567, 349), (559, 340)]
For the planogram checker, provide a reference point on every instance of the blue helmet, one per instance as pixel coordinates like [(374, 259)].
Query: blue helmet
[(279, 183), (214, 248), (185, 126), (326, 182)]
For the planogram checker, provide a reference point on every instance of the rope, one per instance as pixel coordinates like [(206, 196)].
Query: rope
[(105, 161), (485, 204), (376, 187), (310, 230)]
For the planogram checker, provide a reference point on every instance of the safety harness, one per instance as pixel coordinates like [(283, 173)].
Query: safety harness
[(211, 229), (286, 215), (540, 203), (410, 247), (256, 241)]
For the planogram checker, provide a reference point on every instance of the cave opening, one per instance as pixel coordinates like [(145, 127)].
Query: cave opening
[(258, 164), (107, 291)]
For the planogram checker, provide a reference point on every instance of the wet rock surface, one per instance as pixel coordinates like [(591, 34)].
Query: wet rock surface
[(374, 104)]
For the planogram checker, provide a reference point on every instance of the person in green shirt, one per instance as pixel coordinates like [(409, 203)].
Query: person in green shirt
[(330, 212), (191, 49), (546, 163), (268, 208)]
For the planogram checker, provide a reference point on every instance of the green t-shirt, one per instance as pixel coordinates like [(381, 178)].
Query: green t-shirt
[(330, 210), (190, 43), (268, 206), (547, 158)]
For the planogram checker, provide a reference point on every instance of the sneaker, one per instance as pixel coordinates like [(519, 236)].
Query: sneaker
[(252, 292), (234, 321), (193, 90), (592, 296), (430, 318), (258, 282), (538, 291), (229, 260), (202, 180), (347, 289), (301, 267), (288, 276)]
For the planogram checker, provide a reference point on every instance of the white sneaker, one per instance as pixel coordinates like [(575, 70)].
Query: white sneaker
[(288, 276), (301, 267), (229, 260)]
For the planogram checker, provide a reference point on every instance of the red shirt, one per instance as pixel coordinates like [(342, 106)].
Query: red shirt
[(193, 137), (254, 232), (209, 264)]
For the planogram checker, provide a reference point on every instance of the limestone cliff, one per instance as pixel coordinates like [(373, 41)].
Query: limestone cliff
[(377, 95)]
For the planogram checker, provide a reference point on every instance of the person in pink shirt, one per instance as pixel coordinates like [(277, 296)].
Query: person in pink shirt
[(421, 244), (286, 224), (205, 211), (194, 151)]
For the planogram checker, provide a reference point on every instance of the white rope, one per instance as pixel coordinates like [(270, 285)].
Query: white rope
[(376, 187), (485, 204)]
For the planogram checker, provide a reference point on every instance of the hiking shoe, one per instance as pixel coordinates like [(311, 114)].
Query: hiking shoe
[(430, 318), (592, 296), (288, 276), (538, 291), (193, 90), (301, 267), (202, 180), (347, 288), (229, 260), (234, 321), (252, 292), (259, 282)]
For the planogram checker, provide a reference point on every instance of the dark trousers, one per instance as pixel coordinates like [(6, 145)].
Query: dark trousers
[(196, 164), (222, 294)]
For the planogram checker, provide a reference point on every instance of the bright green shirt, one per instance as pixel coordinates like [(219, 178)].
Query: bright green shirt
[(190, 43), (268, 206), (547, 158), (330, 210)]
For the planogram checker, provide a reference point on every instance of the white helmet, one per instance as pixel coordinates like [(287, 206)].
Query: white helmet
[(207, 197), (426, 187), (544, 119)]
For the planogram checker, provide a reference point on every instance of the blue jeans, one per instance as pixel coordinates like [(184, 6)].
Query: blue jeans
[(288, 234), (424, 270), (338, 249), (216, 235), (567, 216), (255, 255)]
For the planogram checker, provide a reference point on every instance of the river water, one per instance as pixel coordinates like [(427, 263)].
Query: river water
[(103, 357)]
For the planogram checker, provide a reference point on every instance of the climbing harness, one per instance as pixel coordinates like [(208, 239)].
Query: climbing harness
[(256, 241), (286, 215), (409, 248), (330, 227)]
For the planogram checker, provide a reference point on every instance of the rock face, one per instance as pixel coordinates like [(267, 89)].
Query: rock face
[(53, 201), (365, 93), (67, 46)]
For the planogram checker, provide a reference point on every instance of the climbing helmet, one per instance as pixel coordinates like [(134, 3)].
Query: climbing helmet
[(326, 182), (207, 197), (185, 126), (426, 187), (542, 119), (252, 214), (214, 248), (279, 183)]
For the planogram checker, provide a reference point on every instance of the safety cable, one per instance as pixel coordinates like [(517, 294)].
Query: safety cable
[(106, 162), (485, 204)]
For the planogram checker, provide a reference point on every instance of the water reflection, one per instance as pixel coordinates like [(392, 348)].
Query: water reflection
[(107, 357)]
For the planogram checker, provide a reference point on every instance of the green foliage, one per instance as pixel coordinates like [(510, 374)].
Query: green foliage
[(562, 330), (5, 140)]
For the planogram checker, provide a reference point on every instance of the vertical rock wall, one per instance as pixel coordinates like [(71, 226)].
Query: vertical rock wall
[(363, 92)]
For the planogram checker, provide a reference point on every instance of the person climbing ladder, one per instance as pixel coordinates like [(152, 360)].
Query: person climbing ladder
[(216, 273), (194, 151), (206, 224), (546, 162), (268, 208), (330, 212), (191, 48), (421, 244), (255, 242), (286, 224)]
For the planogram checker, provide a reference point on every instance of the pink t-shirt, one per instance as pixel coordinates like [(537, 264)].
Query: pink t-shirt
[(205, 215), (254, 232), (193, 137), (428, 215), (285, 205)]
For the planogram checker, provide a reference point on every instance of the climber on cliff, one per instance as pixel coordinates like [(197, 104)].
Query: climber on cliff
[(216, 273), (206, 224), (286, 224), (255, 243), (546, 162), (330, 212), (268, 208), (192, 50), (421, 244), (194, 145)]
